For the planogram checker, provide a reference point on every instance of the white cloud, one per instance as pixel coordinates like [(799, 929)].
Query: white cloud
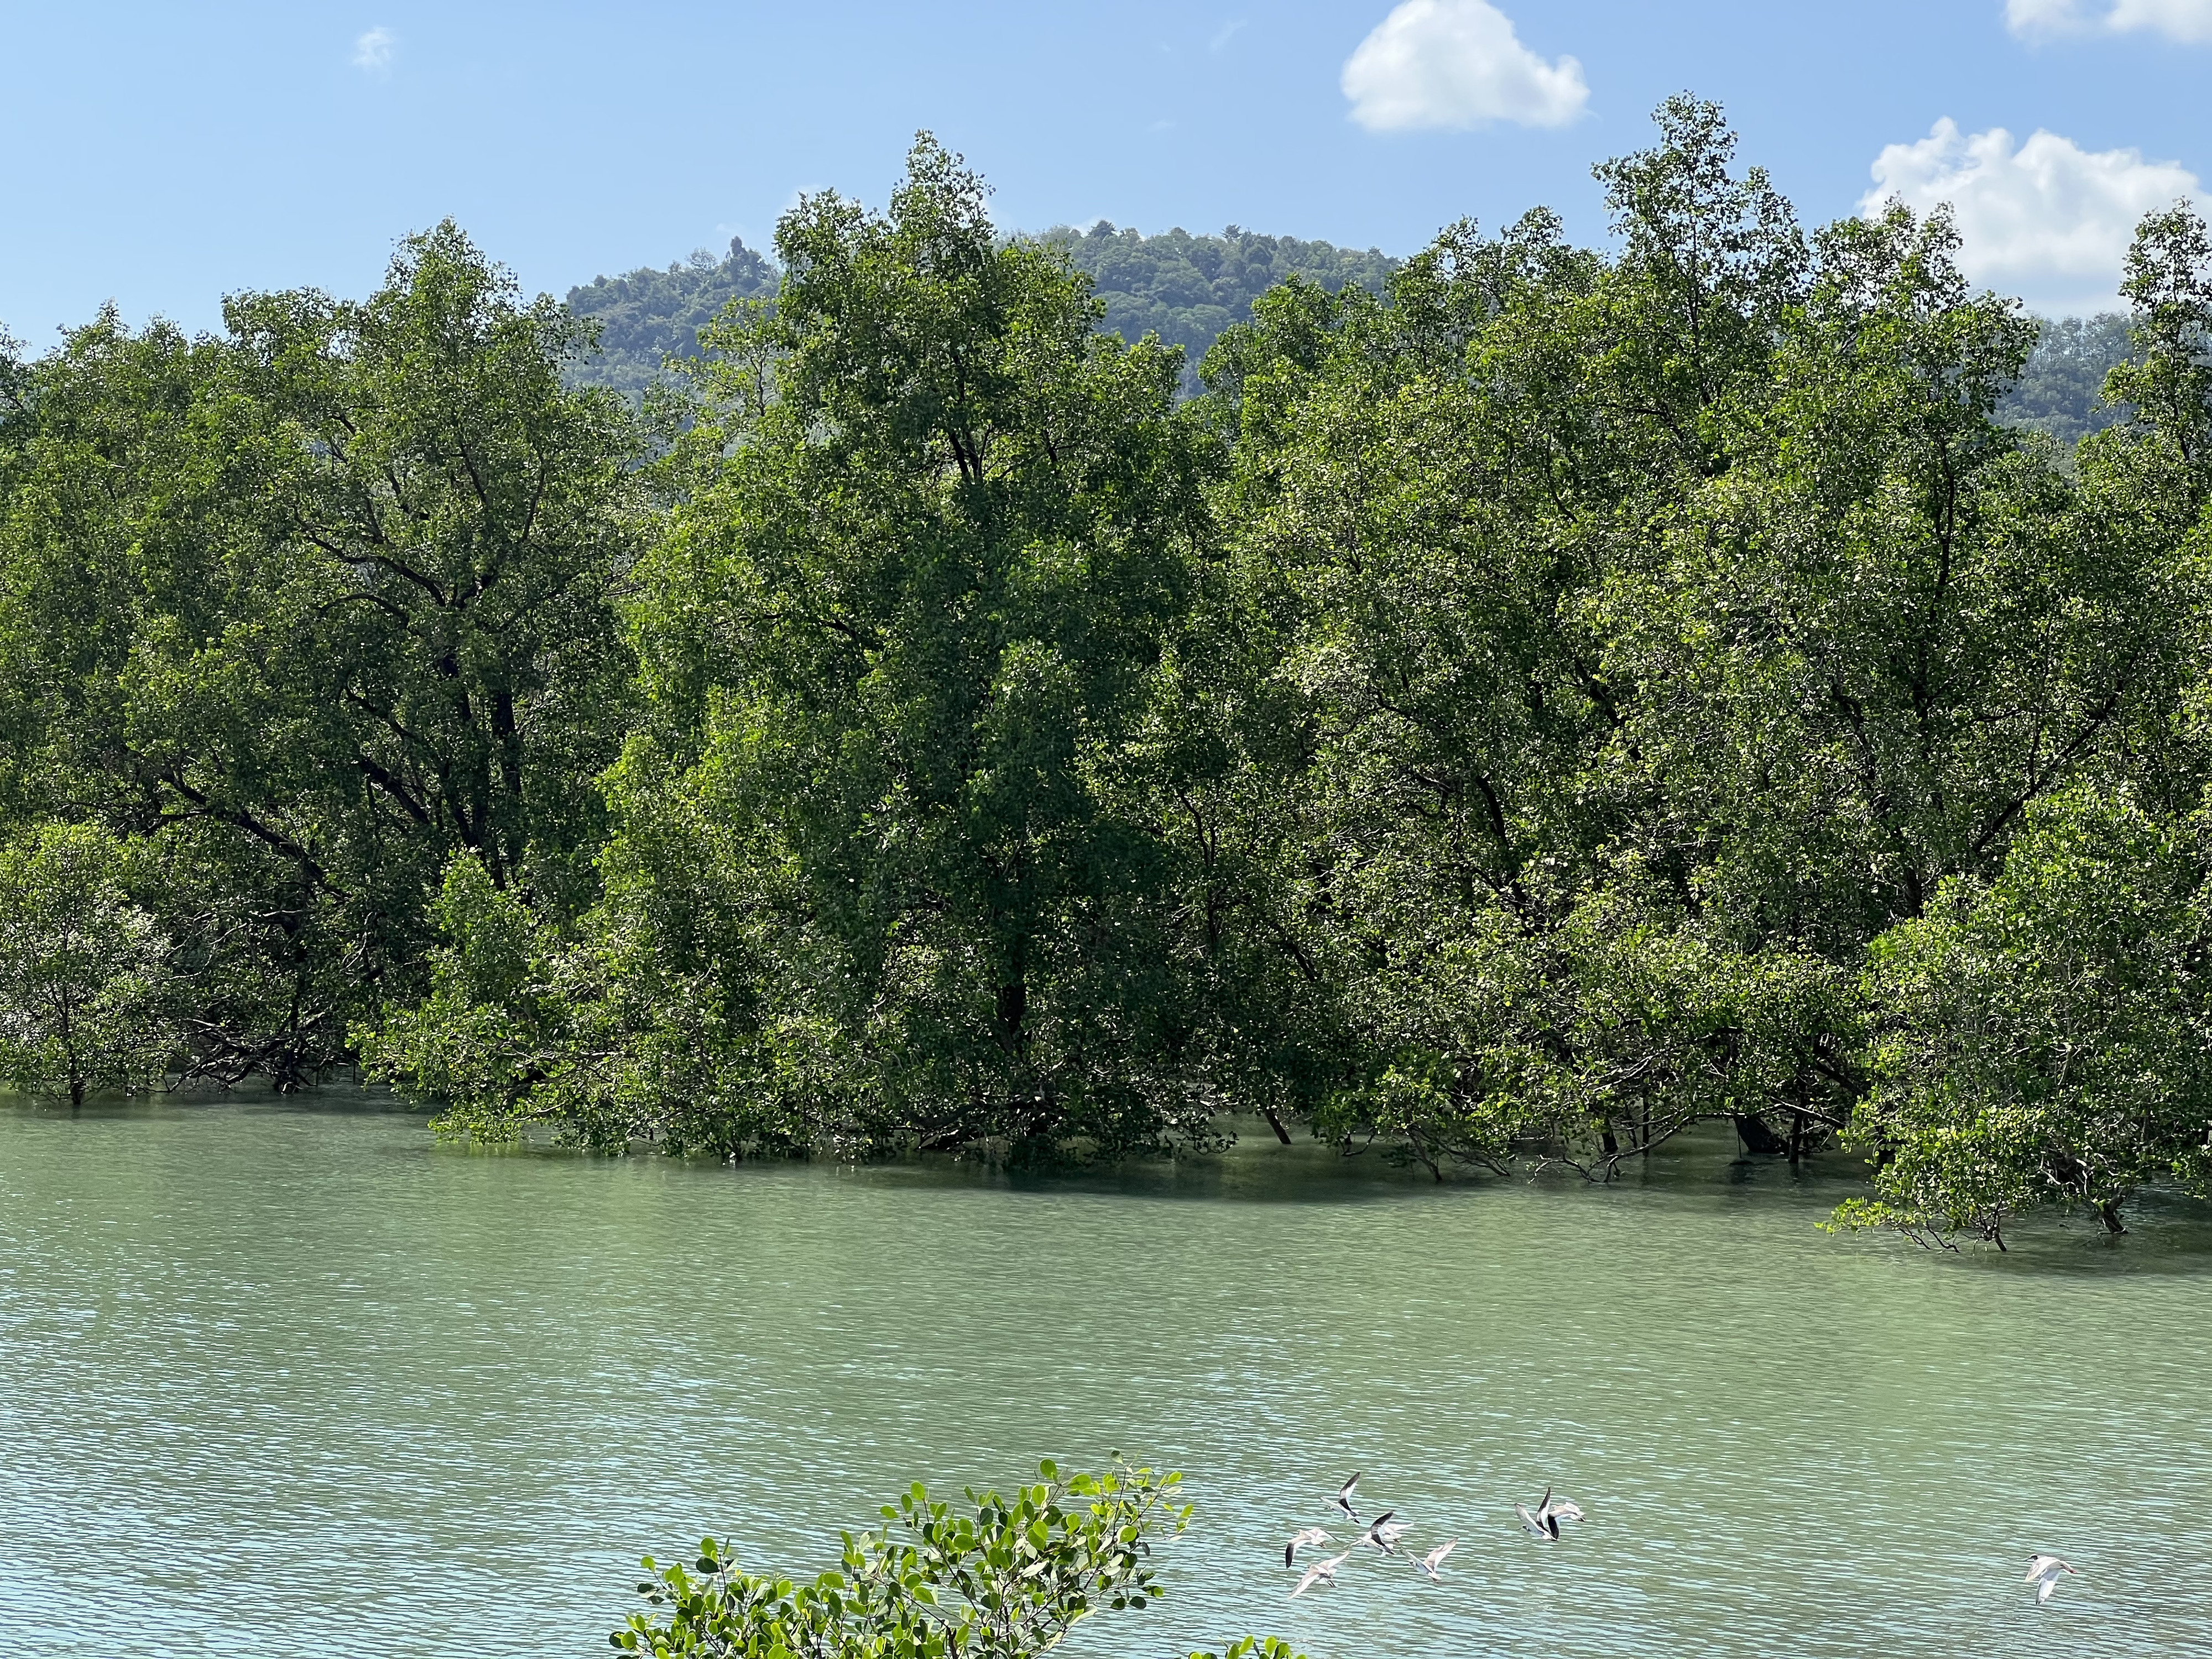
[(2034, 18), (2178, 20), (372, 50), (2048, 221), (1456, 64)]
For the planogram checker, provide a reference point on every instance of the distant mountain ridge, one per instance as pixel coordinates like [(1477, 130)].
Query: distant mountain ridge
[(2061, 391), (1189, 289), (647, 316)]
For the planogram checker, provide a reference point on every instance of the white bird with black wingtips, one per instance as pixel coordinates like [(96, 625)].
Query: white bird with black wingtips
[(1385, 1532), (1343, 1499), (1544, 1522), (1322, 1572), (2043, 1573), (1306, 1538)]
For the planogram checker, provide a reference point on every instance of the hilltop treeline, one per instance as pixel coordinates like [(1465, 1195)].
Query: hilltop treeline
[(648, 317), (1187, 289), (1182, 288), (1565, 696)]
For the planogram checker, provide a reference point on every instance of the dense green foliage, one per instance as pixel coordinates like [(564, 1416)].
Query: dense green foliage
[(1185, 289), (310, 608), (998, 1578), (1509, 717), (82, 966)]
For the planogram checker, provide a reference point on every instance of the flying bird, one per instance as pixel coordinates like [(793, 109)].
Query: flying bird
[(1384, 1534), (1306, 1538), (1322, 1572), (1544, 1522), (1344, 1497), (2043, 1573), (1435, 1559)]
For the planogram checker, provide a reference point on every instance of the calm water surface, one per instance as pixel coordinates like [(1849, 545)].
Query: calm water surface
[(291, 1382)]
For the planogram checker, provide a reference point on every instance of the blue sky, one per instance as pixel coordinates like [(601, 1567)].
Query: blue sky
[(161, 155)]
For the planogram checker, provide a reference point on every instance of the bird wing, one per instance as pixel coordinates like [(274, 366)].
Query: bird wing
[(1291, 1553), (1343, 1492), (1530, 1521), (1315, 1574), (2043, 1592), (1567, 1509), (1435, 1557), (2044, 1566)]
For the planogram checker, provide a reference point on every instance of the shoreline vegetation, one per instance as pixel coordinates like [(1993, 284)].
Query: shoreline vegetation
[(1503, 709)]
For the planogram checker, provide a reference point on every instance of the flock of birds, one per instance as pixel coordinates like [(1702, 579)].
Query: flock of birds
[(1385, 1532)]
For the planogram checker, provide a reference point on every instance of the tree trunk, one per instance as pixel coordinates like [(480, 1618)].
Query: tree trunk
[(2109, 1214), (1421, 1152), (1756, 1136), (1013, 1004), (1276, 1124)]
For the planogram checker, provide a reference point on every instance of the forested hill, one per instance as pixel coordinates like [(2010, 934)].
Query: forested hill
[(1188, 288), (2061, 391), (649, 315)]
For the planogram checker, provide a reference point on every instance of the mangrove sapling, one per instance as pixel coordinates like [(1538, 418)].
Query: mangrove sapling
[(998, 1578), (82, 969)]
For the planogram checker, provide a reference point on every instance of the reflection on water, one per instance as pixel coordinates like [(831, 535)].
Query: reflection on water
[(283, 1381)]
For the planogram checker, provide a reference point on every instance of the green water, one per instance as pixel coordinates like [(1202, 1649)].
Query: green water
[(288, 1382)]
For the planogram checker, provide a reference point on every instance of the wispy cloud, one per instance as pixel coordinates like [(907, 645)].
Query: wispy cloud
[(2048, 219), (2189, 20), (1457, 63), (1225, 35), (372, 50)]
